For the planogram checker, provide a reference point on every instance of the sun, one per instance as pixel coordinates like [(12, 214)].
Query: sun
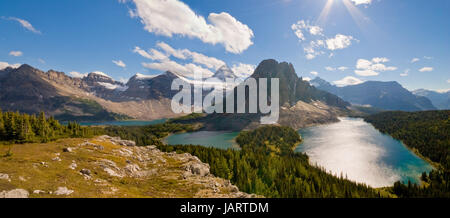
[(356, 14)]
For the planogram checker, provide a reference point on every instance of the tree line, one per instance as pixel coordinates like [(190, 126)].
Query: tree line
[(428, 132), (18, 127)]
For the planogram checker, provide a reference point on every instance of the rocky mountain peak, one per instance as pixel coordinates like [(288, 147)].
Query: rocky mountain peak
[(224, 72), (98, 77)]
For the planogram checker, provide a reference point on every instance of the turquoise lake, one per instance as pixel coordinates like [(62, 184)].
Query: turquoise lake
[(357, 150), (350, 147), (216, 139)]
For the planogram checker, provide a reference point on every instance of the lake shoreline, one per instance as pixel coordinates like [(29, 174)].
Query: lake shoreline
[(357, 149)]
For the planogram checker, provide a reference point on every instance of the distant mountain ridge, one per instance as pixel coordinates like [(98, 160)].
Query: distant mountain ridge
[(439, 99), (95, 96), (382, 95)]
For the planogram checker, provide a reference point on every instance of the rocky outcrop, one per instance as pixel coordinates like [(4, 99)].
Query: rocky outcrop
[(15, 193), (109, 167), (63, 191)]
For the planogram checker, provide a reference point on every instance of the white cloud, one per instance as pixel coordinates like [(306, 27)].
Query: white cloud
[(171, 51), (319, 41), (16, 53), (200, 63), (380, 60), (4, 65), (101, 73), (348, 80), (152, 54), (339, 42), (342, 68), (307, 78), (414, 60), (448, 81), (405, 73), (310, 56), (428, 57), (328, 68), (426, 69), (77, 74), (243, 70), (367, 72), (27, 25), (361, 2), (119, 63), (442, 90), (209, 62), (187, 70), (113, 86), (173, 17), (314, 73), (314, 49), (372, 68), (304, 26)]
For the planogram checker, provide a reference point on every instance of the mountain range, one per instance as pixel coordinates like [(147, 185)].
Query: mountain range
[(439, 99), (97, 97), (381, 95), (93, 97), (301, 104)]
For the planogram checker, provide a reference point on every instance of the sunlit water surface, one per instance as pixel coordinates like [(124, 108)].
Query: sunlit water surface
[(355, 149), (351, 147)]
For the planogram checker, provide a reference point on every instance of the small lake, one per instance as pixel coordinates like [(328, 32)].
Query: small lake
[(216, 139), (356, 149), (124, 123)]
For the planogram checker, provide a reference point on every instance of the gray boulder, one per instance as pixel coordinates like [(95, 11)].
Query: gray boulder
[(15, 193)]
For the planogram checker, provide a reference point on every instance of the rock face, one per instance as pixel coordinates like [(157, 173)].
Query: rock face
[(16, 193), (316, 106), (63, 191), (224, 73), (4, 176), (94, 97), (118, 141), (118, 169)]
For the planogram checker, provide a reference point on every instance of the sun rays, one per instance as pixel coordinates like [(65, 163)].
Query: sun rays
[(325, 12), (361, 20)]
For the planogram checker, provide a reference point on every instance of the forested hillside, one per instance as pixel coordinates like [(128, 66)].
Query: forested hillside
[(427, 132), (16, 127)]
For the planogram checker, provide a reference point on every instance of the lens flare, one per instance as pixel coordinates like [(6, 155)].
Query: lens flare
[(325, 11)]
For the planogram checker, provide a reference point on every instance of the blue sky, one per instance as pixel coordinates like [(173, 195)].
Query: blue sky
[(357, 40)]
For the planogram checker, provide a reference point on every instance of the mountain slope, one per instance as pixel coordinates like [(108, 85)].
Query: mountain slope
[(440, 100), (26, 89), (103, 167), (383, 95), (94, 97), (301, 105), (224, 72)]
